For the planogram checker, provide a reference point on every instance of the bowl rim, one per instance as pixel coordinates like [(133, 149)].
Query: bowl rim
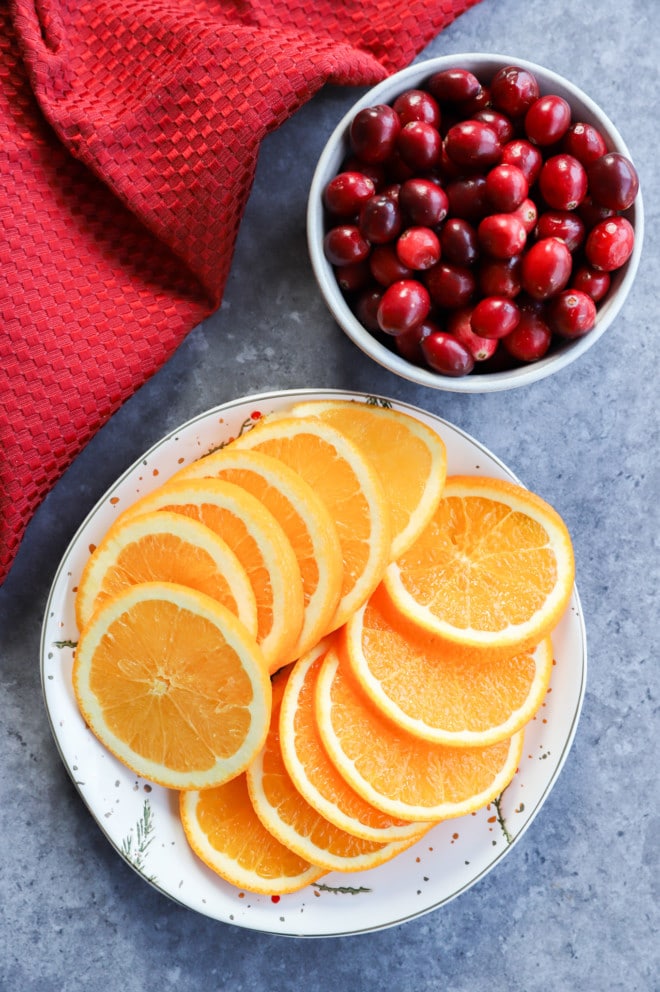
[(327, 165)]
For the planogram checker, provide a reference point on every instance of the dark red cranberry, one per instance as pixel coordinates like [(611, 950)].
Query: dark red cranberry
[(409, 344), (591, 213), (571, 313), (473, 144), (513, 90), (467, 198), (386, 267), (344, 244), (366, 308), (546, 268), (372, 170), (419, 145), (445, 353), (584, 142), (591, 281), (564, 224), (609, 244), (454, 85), (502, 235), (346, 193), (423, 201), (404, 304), (525, 156), (459, 242), (450, 286), (380, 220), (494, 317), (613, 181), (373, 133), (500, 277), (530, 339), (417, 105), (500, 123), (506, 188), (354, 276), (418, 248), (547, 120), (563, 182)]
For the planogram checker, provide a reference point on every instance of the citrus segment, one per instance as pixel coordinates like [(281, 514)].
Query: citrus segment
[(173, 685), (349, 486), (223, 830), (303, 516), (312, 772), (404, 776), (409, 456), (295, 823), (258, 542), (168, 547), (491, 574), (454, 701)]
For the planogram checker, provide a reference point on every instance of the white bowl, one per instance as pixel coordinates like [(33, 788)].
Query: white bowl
[(329, 164)]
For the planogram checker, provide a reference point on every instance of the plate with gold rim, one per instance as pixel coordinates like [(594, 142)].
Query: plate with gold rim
[(141, 819)]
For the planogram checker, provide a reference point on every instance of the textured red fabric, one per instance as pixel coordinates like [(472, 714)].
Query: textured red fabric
[(129, 133)]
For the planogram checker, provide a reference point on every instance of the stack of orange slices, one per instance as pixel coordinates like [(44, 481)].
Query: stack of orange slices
[(321, 641)]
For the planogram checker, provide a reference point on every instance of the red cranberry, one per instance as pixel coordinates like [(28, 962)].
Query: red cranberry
[(423, 201), (386, 267), (380, 220), (563, 182), (372, 170), (571, 313), (500, 123), (525, 156), (613, 181), (418, 248), (373, 133), (345, 244), (450, 286), (417, 105), (445, 354), (473, 144), (514, 90), (564, 224), (547, 120), (458, 324), (530, 339), (346, 193), (506, 188), (409, 344), (459, 242), (494, 317), (528, 214), (404, 305), (454, 85), (609, 244), (584, 142), (591, 281), (546, 268), (502, 235), (419, 145)]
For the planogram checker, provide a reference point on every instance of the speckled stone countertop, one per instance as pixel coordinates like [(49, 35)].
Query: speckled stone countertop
[(574, 904)]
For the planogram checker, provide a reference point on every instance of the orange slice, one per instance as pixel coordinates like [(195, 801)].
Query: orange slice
[(258, 542), (223, 830), (492, 573), (404, 776), (173, 685), (409, 456), (304, 518), (166, 547), (295, 823), (312, 772), (445, 700), (349, 486)]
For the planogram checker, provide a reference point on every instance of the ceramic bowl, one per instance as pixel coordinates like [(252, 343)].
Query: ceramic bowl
[(484, 67)]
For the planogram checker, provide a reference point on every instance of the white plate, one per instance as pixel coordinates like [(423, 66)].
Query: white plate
[(141, 820)]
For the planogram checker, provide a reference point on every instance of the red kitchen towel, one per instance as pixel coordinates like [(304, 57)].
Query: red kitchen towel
[(129, 133)]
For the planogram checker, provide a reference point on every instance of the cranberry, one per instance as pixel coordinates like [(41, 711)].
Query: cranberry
[(591, 213), (500, 123), (459, 242), (500, 277), (547, 120), (546, 268), (506, 188), (445, 353), (372, 170), (458, 324), (530, 339), (345, 244), (353, 276), (454, 85), (514, 90), (526, 156), (418, 248), (366, 308), (373, 133), (419, 145), (380, 219), (417, 105), (564, 224), (409, 344), (403, 305), (528, 214), (346, 193), (584, 142), (467, 198), (494, 317), (571, 313), (423, 201), (450, 286), (613, 181), (563, 182), (591, 281), (502, 235), (386, 266), (610, 243), (473, 144)]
